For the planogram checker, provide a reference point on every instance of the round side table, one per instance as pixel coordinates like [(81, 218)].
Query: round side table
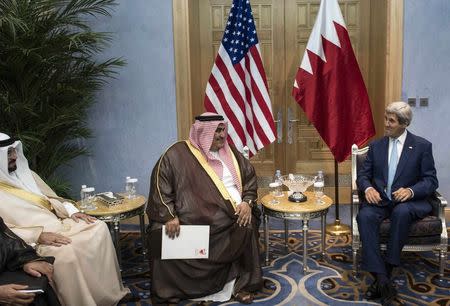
[(114, 214), (304, 211)]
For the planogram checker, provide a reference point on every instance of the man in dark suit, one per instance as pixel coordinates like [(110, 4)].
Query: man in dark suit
[(397, 177), (21, 267)]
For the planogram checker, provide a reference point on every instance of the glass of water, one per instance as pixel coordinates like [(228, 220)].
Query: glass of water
[(274, 192), (130, 187)]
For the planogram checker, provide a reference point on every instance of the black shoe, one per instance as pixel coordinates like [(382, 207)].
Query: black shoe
[(268, 284), (388, 292), (128, 298), (373, 292)]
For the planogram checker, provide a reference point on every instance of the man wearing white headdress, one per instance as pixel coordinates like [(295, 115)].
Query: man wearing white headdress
[(86, 268)]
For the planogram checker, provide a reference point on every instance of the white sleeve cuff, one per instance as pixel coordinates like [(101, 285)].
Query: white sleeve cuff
[(70, 208), (368, 189), (412, 192)]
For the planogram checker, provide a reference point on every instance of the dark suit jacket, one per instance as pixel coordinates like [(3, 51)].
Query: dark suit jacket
[(415, 168), (14, 253)]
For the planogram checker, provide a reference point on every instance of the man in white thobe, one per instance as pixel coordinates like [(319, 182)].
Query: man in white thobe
[(86, 268)]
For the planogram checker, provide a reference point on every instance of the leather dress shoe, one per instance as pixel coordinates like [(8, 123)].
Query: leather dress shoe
[(373, 292), (388, 292), (128, 298)]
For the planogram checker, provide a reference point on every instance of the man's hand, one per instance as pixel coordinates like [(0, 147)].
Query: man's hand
[(372, 196), (244, 213), (39, 268), (9, 294), (173, 228), (402, 194), (80, 216), (53, 239)]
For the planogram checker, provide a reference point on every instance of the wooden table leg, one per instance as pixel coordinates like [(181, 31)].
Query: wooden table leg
[(266, 236), (305, 251)]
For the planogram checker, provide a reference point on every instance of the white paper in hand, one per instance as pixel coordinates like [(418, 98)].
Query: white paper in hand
[(31, 291), (192, 243)]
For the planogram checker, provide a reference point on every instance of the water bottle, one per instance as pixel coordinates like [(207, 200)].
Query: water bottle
[(319, 184), (127, 186), (278, 182), (130, 187), (89, 195), (83, 197), (274, 186), (246, 152)]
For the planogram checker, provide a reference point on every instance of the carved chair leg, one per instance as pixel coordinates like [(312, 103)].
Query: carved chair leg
[(355, 262)]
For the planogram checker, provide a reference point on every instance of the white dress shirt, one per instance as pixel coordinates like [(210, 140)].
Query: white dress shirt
[(227, 180), (400, 144)]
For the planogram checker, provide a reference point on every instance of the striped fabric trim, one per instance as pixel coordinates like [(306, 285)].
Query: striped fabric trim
[(27, 196), (212, 174)]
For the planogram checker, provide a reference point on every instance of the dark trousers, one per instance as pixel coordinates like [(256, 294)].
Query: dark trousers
[(369, 218), (48, 298)]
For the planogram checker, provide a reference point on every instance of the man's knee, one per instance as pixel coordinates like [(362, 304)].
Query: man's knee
[(69, 258), (401, 212), (366, 216)]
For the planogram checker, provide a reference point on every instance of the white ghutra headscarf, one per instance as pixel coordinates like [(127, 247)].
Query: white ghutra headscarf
[(22, 177)]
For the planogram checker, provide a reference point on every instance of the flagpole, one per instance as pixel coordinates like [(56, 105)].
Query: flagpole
[(337, 229), (329, 49)]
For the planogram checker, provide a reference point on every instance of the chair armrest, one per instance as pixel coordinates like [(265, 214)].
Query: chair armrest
[(438, 203), (355, 198), (442, 200), (354, 209)]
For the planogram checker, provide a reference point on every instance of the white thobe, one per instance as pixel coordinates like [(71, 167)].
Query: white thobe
[(86, 271)]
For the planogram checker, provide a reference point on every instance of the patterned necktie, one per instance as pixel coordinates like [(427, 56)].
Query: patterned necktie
[(393, 161)]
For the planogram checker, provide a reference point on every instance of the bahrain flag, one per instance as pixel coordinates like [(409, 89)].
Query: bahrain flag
[(329, 86)]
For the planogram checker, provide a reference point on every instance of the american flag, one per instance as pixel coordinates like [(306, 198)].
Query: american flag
[(237, 88)]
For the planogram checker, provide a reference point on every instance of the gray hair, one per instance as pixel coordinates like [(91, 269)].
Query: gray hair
[(402, 110)]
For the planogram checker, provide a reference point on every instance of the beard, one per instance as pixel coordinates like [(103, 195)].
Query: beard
[(12, 168)]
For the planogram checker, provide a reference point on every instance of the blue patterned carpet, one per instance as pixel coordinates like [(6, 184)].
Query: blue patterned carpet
[(329, 281)]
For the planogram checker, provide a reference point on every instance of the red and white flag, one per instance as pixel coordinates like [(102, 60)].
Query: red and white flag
[(237, 88), (329, 85)]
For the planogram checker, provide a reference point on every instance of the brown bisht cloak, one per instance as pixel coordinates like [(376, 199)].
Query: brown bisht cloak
[(182, 186)]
